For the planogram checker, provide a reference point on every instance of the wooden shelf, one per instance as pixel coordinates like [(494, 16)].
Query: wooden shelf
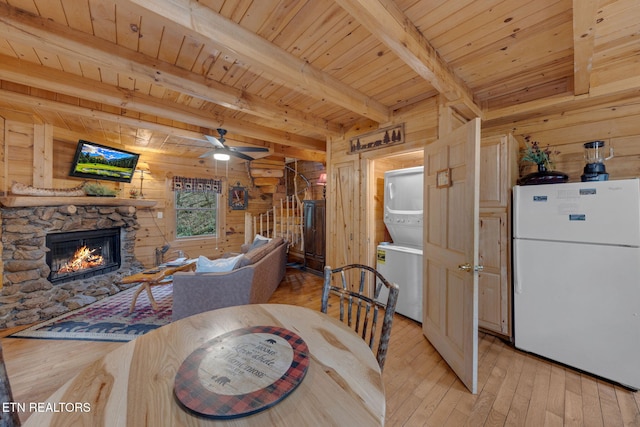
[(32, 201)]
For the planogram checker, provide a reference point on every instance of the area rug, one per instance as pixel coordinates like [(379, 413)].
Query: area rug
[(108, 319)]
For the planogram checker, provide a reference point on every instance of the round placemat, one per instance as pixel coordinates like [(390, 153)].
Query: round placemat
[(242, 372)]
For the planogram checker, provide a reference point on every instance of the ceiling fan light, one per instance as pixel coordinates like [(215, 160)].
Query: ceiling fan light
[(221, 156)]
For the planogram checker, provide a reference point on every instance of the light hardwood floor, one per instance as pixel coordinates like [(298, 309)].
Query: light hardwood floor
[(514, 388)]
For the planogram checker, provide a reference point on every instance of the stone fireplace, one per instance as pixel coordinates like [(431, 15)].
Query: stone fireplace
[(37, 242)]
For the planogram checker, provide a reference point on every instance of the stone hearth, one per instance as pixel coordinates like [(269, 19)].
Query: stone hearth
[(27, 296)]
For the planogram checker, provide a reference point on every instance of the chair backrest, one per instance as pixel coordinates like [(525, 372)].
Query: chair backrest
[(358, 309)]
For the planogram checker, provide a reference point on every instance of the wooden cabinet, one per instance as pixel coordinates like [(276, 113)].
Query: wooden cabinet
[(497, 175), (314, 234), (493, 281)]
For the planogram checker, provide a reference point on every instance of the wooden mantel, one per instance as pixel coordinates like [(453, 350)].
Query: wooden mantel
[(31, 201)]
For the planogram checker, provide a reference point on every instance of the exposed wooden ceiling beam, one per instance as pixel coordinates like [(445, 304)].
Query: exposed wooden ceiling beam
[(253, 49), (235, 126), (72, 85), (76, 86), (20, 100), (18, 25), (616, 91), (584, 28), (279, 151), (385, 20)]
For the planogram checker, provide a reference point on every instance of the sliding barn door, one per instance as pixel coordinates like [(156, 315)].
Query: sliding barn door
[(345, 214)]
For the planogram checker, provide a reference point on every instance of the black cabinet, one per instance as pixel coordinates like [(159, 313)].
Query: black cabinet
[(314, 234)]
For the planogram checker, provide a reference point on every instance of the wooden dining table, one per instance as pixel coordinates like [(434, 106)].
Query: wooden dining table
[(134, 384)]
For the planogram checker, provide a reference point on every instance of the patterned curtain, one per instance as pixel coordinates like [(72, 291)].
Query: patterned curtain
[(197, 184)]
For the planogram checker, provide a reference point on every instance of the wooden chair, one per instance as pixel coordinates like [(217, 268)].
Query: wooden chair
[(362, 310)]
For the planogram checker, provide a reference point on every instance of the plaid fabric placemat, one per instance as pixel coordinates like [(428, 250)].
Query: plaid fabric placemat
[(242, 372)]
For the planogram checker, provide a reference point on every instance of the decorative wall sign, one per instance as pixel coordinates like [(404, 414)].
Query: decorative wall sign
[(443, 178), (377, 139), (242, 372), (238, 197)]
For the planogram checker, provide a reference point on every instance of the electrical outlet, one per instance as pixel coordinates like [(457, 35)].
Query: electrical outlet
[(159, 215)]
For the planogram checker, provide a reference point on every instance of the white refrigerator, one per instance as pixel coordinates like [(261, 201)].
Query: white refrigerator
[(576, 296)]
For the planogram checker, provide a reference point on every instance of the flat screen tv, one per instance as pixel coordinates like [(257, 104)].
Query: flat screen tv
[(101, 162)]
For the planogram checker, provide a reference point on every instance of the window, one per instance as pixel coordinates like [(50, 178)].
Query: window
[(196, 205)]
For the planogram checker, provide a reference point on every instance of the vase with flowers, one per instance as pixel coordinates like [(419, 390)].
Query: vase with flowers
[(542, 158)]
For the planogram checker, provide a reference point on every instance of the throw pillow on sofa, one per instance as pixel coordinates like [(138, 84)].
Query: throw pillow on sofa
[(258, 241), (220, 265)]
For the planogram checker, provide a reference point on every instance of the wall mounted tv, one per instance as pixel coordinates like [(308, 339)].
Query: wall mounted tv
[(101, 162)]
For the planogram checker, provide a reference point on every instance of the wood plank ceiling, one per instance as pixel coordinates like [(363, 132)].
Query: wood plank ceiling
[(288, 74)]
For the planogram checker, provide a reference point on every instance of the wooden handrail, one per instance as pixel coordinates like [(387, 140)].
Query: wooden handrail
[(278, 222)]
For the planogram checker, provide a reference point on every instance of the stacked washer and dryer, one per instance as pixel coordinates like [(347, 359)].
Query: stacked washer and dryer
[(400, 261)]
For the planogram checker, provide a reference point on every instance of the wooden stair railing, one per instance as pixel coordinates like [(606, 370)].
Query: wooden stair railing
[(285, 220)]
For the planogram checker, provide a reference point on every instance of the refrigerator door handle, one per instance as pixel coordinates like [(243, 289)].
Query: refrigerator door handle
[(517, 284)]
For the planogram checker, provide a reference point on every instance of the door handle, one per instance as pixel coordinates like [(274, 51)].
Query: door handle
[(469, 267)]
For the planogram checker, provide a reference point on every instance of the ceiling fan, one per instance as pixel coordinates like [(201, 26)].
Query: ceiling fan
[(223, 151)]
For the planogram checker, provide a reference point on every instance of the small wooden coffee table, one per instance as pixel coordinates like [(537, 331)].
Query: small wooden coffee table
[(153, 277)]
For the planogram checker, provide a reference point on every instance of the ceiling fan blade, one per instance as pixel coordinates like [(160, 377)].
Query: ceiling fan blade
[(226, 150), (215, 141), (250, 149), (220, 146), (239, 155)]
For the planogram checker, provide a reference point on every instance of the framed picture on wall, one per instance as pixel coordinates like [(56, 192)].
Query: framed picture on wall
[(238, 198)]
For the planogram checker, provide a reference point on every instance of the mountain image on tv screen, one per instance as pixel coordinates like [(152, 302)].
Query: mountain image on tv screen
[(101, 162)]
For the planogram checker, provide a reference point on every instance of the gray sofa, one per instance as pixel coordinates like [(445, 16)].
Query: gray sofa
[(253, 281)]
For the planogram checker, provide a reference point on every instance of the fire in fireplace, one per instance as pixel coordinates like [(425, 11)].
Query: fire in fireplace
[(82, 259), (82, 254)]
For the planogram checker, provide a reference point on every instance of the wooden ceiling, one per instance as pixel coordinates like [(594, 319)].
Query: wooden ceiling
[(288, 74)]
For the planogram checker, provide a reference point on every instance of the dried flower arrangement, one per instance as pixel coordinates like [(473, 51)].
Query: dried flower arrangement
[(534, 154)]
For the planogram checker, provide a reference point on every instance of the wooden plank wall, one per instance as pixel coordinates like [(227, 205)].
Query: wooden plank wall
[(19, 146), (157, 224), (618, 123), (311, 170), (615, 122), (421, 128)]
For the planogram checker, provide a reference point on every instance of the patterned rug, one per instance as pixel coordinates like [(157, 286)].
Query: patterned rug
[(108, 319)]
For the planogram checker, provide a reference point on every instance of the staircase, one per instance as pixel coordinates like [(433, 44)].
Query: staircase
[(285, 219)]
